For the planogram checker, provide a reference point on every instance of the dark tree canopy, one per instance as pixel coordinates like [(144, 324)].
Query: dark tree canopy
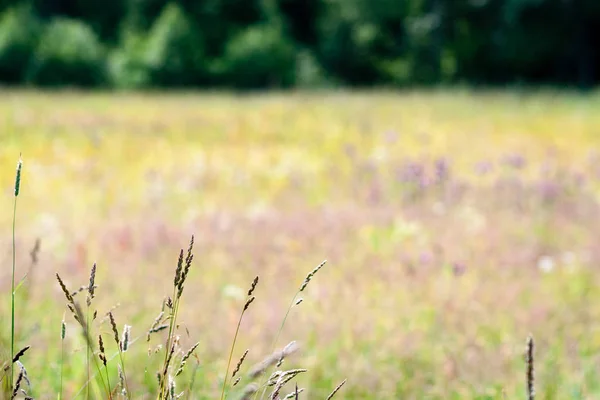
[(286, 43)]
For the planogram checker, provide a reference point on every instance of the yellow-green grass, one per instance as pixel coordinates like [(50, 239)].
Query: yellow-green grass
[(272, 185)]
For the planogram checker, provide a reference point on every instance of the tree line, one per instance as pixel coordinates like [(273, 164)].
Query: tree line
[(298, 43)]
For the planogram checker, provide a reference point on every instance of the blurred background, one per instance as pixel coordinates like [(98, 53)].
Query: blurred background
[(441, 155), (298, 43)]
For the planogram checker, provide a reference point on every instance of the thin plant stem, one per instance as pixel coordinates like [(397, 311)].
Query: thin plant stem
[(287, 313), (12, 298), (87, 355), (169, 337), (193, 381), (237, 330), (108, 380), (14, 263), (62, 360), (124, 373), (96, 373), (62, 356)]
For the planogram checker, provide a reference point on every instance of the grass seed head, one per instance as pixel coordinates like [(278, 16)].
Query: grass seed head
[(239, 363), (126, 337), (20, 354), (91, 288), (178, 270), (186, 268), (310, 275), (25, 376), (185, 357), (64, 289), (122, 380), (113, 326), (100, 344), (18, 177), (529, 360), (17, 385), (248, 302), (253, 286)]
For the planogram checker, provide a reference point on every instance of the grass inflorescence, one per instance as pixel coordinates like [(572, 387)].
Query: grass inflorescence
[(175, 358)]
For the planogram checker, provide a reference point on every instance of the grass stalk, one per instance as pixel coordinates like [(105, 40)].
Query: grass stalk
[(530, 377), (249, 300), (14, 262), (287, 313), (122, 360), (87, 353), (63, 332)]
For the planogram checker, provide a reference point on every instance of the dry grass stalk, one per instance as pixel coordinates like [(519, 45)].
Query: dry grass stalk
[(273, 359), (64, 289), (310, 275), (122, 384), (248, 391), (172, 387), (178, 270), (75, 309), (249, 301), (155, 327), (253, 286), (113, 326), (530, 369), (17, 385), (156, 330), (283, 378), (294, 394), (186, 269), (91, 288), (25, 376), (239, 363), (172, 303), (126, 337), (338, 387), (102, 354), (184, 359), (20, 354)]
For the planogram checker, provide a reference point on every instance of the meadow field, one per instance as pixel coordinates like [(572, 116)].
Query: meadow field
[(454, 224)]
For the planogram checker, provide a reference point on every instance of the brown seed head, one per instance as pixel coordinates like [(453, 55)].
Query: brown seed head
[(310, 275), (113, 326), (253, 286), (239, 363)]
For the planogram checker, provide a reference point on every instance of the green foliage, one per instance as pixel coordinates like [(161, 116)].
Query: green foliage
[(353, 42), (260, 57), (19, 32), (174, 52), (68, 53), (126, 66)]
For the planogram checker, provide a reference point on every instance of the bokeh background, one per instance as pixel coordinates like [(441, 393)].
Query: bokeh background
[(441, 155)]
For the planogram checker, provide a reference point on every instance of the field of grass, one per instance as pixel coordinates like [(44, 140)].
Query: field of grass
[(454, 224)]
